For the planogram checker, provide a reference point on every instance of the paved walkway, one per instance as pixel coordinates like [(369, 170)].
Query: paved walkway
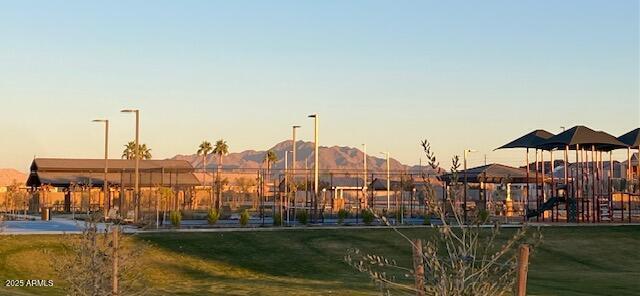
[(66, 226)]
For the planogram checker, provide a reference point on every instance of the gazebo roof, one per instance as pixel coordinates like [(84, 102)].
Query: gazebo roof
[(631, 138), (530, 140), (582, 136)]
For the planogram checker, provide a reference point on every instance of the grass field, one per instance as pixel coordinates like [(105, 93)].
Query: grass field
[(571, 261)]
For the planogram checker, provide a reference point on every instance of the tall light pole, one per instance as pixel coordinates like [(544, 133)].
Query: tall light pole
[(388, 182), (315, 164), (136, 194), (466, 151), (105, 186), (286, 184), (364, 173)]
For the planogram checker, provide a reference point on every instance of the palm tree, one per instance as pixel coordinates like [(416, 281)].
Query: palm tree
[(129, 151), (270, 158), (204, 149), (221, 149)]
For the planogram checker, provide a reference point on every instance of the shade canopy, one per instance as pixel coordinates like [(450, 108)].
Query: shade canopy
[(582, 136), (631, 138), (530, 140)]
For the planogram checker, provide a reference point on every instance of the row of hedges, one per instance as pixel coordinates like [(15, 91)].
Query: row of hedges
[(302, 217)]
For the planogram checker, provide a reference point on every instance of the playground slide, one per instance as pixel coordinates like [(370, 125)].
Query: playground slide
[(548, 205)]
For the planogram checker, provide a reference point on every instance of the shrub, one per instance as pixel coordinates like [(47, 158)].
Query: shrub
[(483, 216), (342, 214), (302, 217), (244, 218), (175, 218), (212, 216), (367, 216), (427, 219), (277, 220)]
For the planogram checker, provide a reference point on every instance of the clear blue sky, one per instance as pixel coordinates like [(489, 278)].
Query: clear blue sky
[(464, 74)]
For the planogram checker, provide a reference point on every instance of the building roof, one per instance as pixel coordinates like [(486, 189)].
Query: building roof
[(60, 172), (493, 173), (97, 165)]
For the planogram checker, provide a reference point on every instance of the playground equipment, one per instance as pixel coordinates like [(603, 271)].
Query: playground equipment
[(586, 189)]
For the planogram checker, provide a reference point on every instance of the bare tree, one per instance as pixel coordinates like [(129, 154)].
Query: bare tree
[(92, 258), (459, 259)]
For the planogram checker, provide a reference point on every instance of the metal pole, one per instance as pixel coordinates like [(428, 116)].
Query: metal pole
[(105, 185), (107, 199), (541, 201), (137, 155), (526, 203), (315, 164), (465, 188), (137, 163), (537, 187), (293, 161), (628, 165), (388, 183), (553, 186), (286, 184), (364, 172)]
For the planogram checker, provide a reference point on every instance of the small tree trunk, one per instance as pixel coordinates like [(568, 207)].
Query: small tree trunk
[(523, 268), (418, 266)]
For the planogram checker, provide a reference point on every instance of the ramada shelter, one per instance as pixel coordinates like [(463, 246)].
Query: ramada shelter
[(67, 184)]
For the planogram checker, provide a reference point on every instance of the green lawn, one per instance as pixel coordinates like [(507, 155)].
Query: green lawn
[(571, 261)]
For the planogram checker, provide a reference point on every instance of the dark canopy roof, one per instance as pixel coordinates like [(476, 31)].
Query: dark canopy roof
[(583, 136), (631, 138), (493, 173), (147, 179), (530, 140)]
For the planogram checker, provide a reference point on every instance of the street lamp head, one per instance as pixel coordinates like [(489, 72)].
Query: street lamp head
[(296, 126), (324, 189), (100, 120), (470, 150), (128, 110), (313, 116)]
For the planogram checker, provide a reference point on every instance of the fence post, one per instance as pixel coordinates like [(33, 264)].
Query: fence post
[(523, 268), (418, 266)]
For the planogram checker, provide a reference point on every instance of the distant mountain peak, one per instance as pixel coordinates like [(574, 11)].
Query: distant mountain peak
[(334, 157)]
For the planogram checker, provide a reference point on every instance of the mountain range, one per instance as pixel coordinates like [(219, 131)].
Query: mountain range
[(8, 176), (335, 157)]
